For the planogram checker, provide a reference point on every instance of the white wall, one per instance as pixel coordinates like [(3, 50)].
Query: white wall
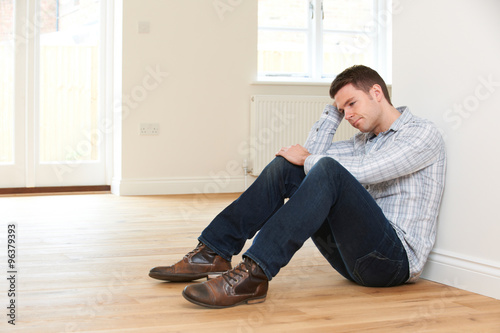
[(204, 57), (446, 67)]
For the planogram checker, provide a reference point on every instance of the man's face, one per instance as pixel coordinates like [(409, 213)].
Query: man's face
[(359, 108)]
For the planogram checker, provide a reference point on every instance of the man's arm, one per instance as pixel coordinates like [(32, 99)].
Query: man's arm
[(413, 148), (321, 134), (319, 139)]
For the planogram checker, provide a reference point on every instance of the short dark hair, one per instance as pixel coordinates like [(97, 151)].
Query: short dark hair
[(362, 78)]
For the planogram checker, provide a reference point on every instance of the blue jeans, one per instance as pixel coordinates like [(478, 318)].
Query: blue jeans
[(329, 205)]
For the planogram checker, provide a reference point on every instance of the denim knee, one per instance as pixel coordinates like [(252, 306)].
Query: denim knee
[(279, 165), (278, 162), (328, 166), (328, 162)]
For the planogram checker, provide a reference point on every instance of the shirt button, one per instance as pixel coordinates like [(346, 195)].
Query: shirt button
[(326, 112)]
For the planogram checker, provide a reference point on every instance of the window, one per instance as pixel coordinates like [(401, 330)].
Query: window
[(317, 39)]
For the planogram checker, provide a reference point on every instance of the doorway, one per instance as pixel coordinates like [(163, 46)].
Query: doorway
[(52, 118)]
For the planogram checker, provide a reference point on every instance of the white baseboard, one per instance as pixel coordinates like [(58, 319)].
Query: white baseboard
[(188, 185), (464, 273)]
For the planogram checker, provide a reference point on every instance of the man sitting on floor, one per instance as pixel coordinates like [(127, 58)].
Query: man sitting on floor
[(370, 204)]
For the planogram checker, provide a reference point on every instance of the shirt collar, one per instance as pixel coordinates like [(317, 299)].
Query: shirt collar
[(405, 117)]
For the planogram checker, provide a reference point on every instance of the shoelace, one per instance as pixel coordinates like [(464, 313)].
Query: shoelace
[(196, 250), (237, 271), (192, 253)]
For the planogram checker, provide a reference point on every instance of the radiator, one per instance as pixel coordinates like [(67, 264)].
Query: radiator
[(279, 121)]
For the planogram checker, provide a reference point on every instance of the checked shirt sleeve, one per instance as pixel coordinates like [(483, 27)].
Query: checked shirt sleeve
[(320, 138), (410, 149), (321, 135), (395, 154)]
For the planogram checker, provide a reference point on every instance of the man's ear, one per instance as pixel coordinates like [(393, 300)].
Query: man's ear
[(376, 92)]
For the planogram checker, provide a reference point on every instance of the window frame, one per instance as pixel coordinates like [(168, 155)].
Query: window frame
[(379, 30)]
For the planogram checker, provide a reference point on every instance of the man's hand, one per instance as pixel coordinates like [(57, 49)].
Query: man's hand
[(336, 106), (295, 154)]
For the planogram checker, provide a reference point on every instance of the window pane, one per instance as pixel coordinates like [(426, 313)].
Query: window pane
[(283, 13), (347, 14), (69, 80), (344, 50), (282, 52), (6, 81)]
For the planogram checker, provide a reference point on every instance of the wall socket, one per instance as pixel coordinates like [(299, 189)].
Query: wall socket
[(149, 129)]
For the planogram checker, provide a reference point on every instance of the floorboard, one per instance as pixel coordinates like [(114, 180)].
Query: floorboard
[(83, 263)]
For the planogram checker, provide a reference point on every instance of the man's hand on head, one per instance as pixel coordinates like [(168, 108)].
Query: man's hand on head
[(295, 154), (336, 106)]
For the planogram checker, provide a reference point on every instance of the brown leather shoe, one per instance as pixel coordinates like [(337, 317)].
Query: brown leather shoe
[(197, 264), (246, 283)]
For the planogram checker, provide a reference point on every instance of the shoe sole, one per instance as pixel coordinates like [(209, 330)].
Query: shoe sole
[(182, 277), (249, 301)]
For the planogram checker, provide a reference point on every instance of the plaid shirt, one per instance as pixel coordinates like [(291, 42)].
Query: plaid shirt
[(403, 169)]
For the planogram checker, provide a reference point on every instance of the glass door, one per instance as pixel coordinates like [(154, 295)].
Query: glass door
[(69, 148), (58, 113), (11, 159)]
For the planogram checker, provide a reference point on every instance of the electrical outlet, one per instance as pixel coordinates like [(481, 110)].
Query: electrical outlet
[(149, 129)]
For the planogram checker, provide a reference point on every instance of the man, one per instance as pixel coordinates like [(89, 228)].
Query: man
[(370, 204)]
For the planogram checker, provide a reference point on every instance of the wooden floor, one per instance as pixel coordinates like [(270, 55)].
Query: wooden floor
[(83, 263)]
